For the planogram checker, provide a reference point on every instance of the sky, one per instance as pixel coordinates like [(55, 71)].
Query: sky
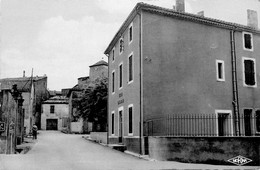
[(62, 38)]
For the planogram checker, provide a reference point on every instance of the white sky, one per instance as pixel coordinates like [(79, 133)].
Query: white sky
[(61, 38)]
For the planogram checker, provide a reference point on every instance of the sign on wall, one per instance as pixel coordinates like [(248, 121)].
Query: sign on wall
[(2, 126)]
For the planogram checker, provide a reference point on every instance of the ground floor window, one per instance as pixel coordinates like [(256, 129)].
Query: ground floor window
[(224, 123), (257, 121), (248, 122), (113, 123), (130, 119)]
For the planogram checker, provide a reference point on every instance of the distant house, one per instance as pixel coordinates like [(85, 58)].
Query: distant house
[(97, 72), (34, 91), (55, 113)]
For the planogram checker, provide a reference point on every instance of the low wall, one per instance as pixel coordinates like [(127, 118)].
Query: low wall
[(76, 127), (211, 150), (100, 137)]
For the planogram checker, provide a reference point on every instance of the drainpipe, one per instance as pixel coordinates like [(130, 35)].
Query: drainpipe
[(140, 76), (234, 83)]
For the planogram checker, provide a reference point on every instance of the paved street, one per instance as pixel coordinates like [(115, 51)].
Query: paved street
[(58, 151)]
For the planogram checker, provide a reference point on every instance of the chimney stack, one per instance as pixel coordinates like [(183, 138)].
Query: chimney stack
[(23, 73), (180, 5), (252, 20)]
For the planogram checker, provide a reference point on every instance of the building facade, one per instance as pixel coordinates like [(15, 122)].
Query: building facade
[(164, 63), (55, 113)]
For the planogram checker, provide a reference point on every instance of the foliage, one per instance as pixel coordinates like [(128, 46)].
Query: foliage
[(93, 104)]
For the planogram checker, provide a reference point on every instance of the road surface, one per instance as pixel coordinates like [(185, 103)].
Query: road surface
[(57, 151)]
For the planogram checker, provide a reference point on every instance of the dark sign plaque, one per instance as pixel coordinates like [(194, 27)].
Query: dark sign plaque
[(2, 126)]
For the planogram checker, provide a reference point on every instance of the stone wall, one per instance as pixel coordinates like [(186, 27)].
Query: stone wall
[(100, 137), (211, 150)]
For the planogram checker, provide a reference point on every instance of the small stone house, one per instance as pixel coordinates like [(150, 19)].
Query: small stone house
[(55, 112)]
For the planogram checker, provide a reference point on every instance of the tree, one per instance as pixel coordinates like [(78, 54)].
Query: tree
[(93, 105)]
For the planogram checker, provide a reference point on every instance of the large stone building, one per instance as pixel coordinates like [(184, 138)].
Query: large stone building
[(164, 62)]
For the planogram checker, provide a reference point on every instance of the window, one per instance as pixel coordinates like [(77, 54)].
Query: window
[(130, 68), (247, 121), (257, 121), (249, 72), (113, 123), (113, 82), (220, 70), (224, 123), (130, 119), (130, 33), (52, 109), (113, 54), (121, 45), (248, 41), (120, 76)]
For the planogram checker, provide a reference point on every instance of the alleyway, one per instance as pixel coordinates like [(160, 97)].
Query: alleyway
[(58, 151)]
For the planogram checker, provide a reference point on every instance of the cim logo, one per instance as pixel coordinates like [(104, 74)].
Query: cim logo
[(239, 160)]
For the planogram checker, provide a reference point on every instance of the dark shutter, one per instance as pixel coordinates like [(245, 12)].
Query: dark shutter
[(249, 72)]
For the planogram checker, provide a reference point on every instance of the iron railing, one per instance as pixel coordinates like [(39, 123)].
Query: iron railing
[(201, 125)]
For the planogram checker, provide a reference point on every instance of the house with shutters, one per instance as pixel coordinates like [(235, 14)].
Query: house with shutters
[(173, 73)]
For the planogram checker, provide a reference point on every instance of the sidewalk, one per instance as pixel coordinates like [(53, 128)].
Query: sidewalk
[(26, 146)]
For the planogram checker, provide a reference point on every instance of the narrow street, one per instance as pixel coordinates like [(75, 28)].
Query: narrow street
[(57, 151)]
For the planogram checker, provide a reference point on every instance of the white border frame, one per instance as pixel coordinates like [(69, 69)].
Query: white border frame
[(223, 70), (113, 92), (252, 41), (113, 113), (131, 25), (119, 76), (120, 52), (131, 54), (243, 69), (217, 112), (120, 109), (132, 106)]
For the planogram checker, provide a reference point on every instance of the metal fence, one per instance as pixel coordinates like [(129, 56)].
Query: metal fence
[(201, 125)]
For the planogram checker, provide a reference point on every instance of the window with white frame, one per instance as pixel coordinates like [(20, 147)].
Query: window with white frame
[(121, 45), (130, 119), (130, 33), (120, 75), (224, 123), (130, 68), (113, 123), (52, 109), (220, 70), (249, 72), (248, 41), (113, 54), (113, 82)]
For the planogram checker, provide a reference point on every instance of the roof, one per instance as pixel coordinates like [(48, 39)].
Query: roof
[(101, 62), (180, 15), (23, 83), (57, 100), (83, 78)]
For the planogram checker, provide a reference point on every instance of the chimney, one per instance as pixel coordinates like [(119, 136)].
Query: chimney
[(180, 5), (252, 20), (23, 73), (201, 13)]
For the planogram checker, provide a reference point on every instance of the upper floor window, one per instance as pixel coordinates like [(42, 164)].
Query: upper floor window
[(248, 41), (52, 109), (249, 72), (113, 54), (130, 33), (130, 68), (120, 76), (121, 45), (113, 81), (220, 70)]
